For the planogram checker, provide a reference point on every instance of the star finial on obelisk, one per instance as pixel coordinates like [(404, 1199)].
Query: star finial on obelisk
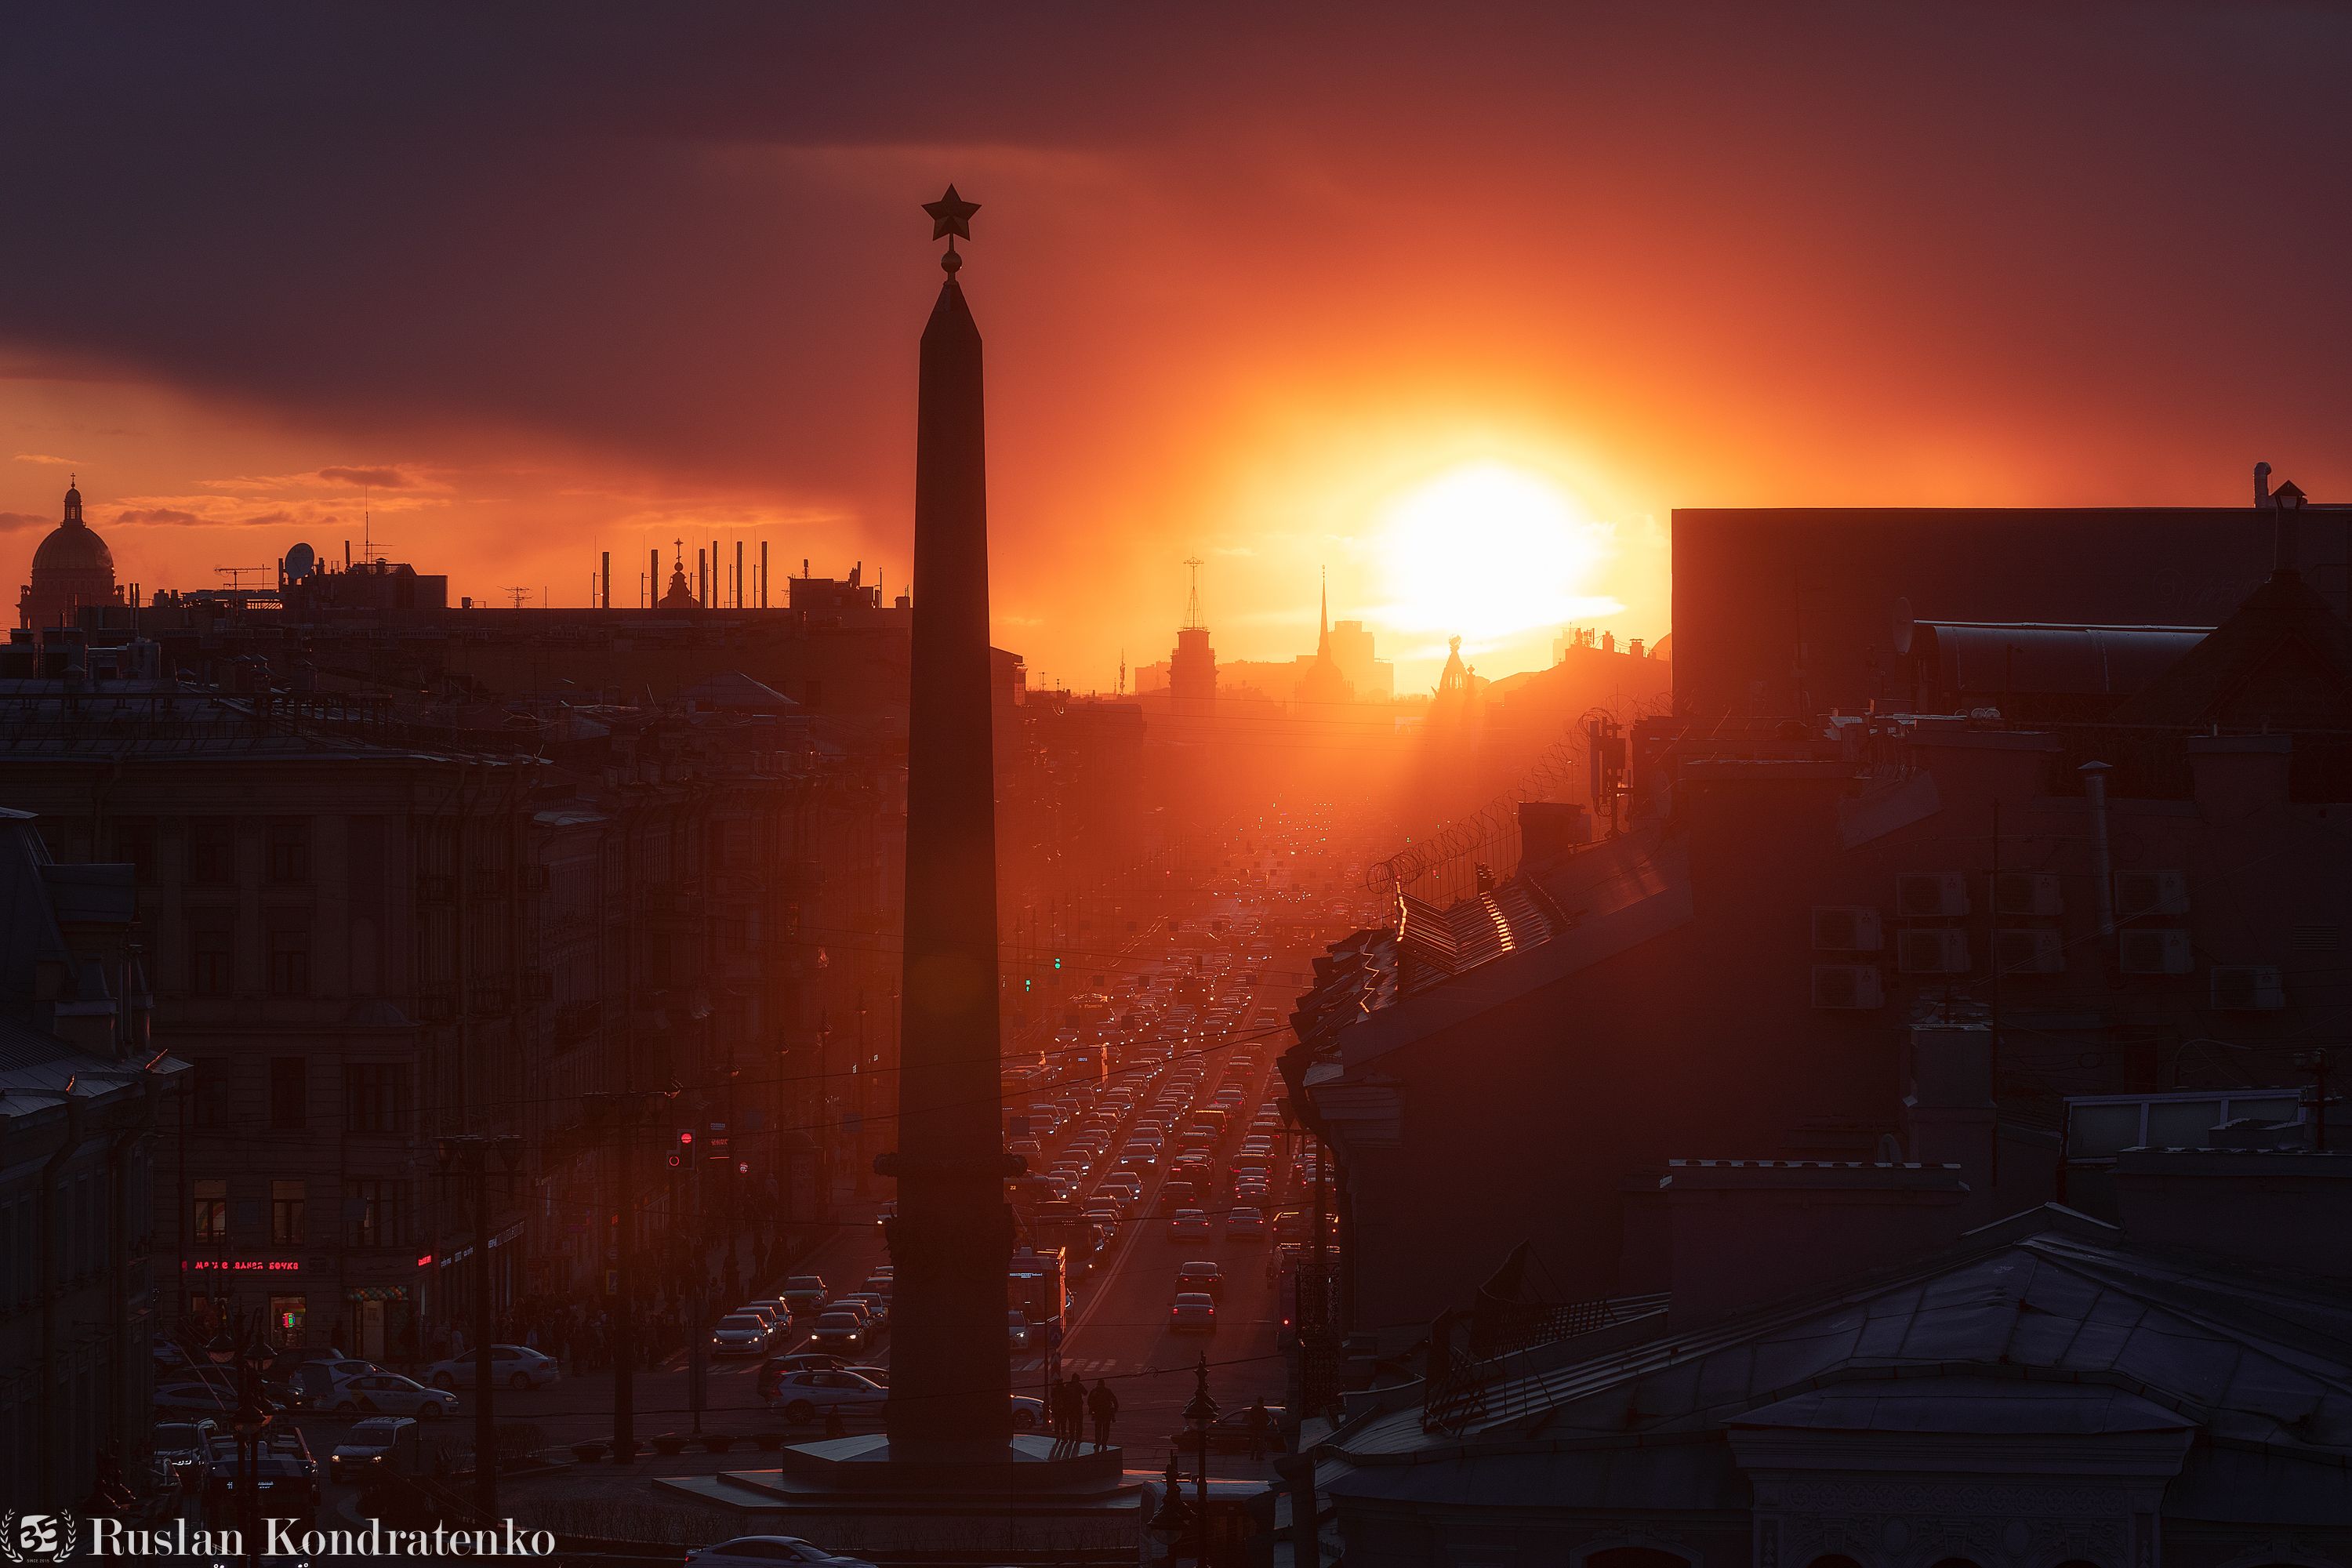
[(951, 220)]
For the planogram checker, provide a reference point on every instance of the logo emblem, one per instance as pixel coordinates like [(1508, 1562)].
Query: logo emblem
[(26, 1538)]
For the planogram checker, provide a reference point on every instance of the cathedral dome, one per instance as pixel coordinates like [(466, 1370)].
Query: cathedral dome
[(73, 545)]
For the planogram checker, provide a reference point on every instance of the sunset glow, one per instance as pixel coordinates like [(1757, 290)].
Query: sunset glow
[(1488, 551)]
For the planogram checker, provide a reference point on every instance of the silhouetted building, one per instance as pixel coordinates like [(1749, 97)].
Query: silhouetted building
[(72, 569), (82, 1092), (1322, 683), (1373, 680)]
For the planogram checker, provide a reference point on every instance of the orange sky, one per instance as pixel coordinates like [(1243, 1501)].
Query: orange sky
[(527, 291)]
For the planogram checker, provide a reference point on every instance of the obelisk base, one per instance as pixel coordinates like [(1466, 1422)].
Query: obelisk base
[(859, 1498)]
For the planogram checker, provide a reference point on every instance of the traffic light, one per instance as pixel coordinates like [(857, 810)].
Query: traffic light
[(742, 1167), (685, 1149)]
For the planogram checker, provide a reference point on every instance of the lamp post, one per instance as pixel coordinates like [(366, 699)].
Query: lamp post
[(250, 1360), (469, 1155), (1201, 1413), (1167, 1526)]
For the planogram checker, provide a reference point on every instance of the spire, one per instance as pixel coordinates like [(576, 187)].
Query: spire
[(1323, 632), (1193, 622)]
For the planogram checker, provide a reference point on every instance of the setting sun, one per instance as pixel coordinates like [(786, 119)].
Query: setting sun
[(1489, 551)]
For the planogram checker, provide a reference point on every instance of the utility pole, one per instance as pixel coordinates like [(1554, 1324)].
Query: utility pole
[(469, 1154), (625, 1115)]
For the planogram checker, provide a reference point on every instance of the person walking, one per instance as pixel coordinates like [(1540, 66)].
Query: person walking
[(1072, 1396), (1104, 1405), (1261, 1428)]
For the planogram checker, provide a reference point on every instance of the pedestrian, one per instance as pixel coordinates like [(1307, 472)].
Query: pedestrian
[(1069, 1409), (1104, 1404), (1261, 1426)]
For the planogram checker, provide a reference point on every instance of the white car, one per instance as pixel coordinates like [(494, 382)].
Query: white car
[(368, 1444), (770, 1551), (741, 1333), (518, 1367), (388, 1394), (805, 1395)]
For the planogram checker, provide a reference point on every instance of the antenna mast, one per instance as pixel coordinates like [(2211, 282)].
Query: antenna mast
[(1192, 601)]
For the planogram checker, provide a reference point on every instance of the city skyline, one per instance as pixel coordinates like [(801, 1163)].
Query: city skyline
[(1236, 333)]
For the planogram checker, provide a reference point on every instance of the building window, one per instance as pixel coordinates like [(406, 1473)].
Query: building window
[(289, 961), (289, 1093), (378, 1212), (286, 1214), (376, 1096), (134, 841), (212, 951), (212, 1211), (209, 1106), (289, 849), (212, 851)]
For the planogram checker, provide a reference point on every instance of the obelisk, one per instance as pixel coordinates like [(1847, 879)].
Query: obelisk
[(952, 1239)]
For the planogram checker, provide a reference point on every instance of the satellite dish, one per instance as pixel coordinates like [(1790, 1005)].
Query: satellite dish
[(300, 562)]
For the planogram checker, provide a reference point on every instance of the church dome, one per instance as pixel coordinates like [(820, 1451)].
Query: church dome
[(72, 546)]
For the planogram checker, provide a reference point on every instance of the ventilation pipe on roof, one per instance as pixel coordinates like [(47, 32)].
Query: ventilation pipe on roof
[(2262, 484), (2094, 795)]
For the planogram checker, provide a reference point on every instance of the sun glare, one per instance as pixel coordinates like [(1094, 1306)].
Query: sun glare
[(1489, 551)]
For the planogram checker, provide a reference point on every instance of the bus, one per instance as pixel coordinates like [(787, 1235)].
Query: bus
[(1037, 1286)]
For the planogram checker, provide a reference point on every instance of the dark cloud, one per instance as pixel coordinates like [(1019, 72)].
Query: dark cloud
[(367, 479), (10, 522), (171, 515)]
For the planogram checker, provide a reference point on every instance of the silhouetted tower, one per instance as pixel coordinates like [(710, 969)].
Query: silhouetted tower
[(952, 1239), (1324, 684), (1192, 669)]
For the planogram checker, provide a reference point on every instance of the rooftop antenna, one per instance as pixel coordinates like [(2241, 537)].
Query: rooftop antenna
[(1122, 673), (1192, 602), (520, 595), (236, 574)]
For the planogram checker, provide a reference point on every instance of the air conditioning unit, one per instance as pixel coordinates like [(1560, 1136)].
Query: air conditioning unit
[(1922, 895), (2141, 893), (1847, 987), (2247, 988), (2029, 951), (2027, 893), (2154, 953), (1847, 928), (1938, 950)]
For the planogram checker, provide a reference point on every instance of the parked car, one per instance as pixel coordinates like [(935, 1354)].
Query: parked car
[(804, 1294), (769, 1551), (511, 1366), (1028, 1413), (376, 1443), (191, 1398), (1194, 1312), (388, 1394), (805, 1395)]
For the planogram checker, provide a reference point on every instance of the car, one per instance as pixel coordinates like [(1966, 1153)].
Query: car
[(183, 1444), (518, 1367), (1208, 1279), (880, 1284), (1194, 1312), (773, 1370), (772, 1308), (1017, 1328), (370, 1444), (877, 1307), (1028, 1413), (741, 1333), (769, 1551), (1230, 1432), (282, 1466), (191, 1398), (804, 1294), (805, 1395), (387, 1393), (1137, 1155), (843, 1331), (1188, 1222), (1245, 1225), (876, 1375)]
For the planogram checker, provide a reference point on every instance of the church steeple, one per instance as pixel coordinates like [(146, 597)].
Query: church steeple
[(1323, 620)]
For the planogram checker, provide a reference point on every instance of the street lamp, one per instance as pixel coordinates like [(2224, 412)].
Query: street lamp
[(1201, 1413), (252, 1360), (1167, 1526)]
